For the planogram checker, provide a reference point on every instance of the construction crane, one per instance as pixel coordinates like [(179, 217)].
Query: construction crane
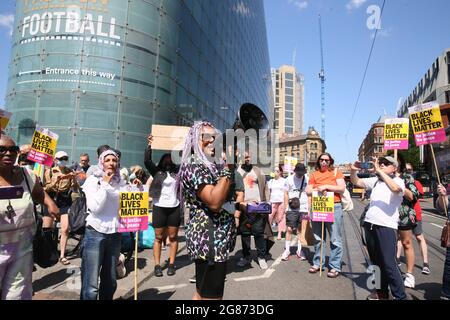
[(322, 80)]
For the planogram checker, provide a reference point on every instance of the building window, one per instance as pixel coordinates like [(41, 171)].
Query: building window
[(289, 106), (289, 130), (289, 122), (289, 114), (289, 83), (289, 91), (289, 76), (289, 99)]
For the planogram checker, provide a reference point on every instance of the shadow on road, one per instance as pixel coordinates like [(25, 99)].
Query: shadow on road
[(51, 279)]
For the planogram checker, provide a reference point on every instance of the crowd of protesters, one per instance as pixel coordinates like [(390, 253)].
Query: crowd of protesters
[(216, 196)]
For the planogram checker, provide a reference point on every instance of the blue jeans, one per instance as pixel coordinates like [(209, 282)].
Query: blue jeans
[(100, 253), (335, 231)]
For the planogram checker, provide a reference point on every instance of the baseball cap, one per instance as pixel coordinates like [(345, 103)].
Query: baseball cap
[(300, 167), (61, 154), (391, 160)]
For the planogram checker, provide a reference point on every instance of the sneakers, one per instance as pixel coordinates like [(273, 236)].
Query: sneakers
[(171, 270), (262, 263), (410, 281), (158, 271), (300, 256), (426, 269), (193, 279), (243, 262), (378, 296), (285, 255)]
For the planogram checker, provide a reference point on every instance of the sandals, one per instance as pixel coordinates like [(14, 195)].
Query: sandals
[(313, 269), (64, 261), (333, 273)]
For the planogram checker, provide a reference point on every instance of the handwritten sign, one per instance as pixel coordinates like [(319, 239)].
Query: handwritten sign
[(43, 146), (323, 207), (427, 123), (133, 209), (396, 134), (4, 118), (289, 164)]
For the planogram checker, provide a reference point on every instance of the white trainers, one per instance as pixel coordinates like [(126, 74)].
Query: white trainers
[(243, 262), (285, 255), (262, 263), (410, 281)]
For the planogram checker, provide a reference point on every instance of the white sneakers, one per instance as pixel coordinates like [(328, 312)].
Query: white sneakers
[(285, 255), (262, 263), (410, 281)]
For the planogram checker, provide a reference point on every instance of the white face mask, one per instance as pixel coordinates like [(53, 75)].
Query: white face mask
[(132, 176)]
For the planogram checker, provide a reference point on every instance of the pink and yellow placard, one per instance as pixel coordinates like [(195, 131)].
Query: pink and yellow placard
[(323, 207), (396, 134), (43, 146), (133, 209), (426, 121)]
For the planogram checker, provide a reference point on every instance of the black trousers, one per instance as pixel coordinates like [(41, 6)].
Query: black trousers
[(257, 231), (382, 248)]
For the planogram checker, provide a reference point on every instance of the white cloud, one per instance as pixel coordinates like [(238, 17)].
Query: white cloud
[(7, 21), (299, 4), (355, 4)]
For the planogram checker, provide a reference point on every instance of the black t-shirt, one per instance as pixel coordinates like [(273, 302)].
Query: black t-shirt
[(236, 185)]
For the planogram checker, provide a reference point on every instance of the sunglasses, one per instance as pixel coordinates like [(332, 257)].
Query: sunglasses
[(325, 160), (208, 137), (12, 149), (63, 159), (385, 163)]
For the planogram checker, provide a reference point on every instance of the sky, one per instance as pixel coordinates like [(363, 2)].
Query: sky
[(413, 34)]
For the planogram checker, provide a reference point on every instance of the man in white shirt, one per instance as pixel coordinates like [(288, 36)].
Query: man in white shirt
[(297, 210)]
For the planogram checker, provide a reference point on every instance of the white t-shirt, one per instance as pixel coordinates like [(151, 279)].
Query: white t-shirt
[(277, 189), (251, 186), (384, 204), (297, 189), (168, 198)]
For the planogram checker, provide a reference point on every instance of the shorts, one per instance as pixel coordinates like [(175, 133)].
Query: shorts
[(417, 230), (293, 218), (210, 279), (166, 217)]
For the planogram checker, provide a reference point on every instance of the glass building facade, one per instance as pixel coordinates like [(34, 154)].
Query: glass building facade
[(102, 71)]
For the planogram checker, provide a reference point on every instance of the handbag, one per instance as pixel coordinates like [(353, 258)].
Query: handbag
[(261, 207), (445, 235), (307, 235), (346, 198), (45, 251)]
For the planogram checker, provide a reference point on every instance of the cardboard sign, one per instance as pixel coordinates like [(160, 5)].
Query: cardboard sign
[(289, 164), (133, 208), (169, 137), (43, 146), (4, 118), (427, 124), (323, 207)]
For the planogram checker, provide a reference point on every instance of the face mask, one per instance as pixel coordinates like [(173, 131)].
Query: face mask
[(132, 176), (247, 167), (61, 163)]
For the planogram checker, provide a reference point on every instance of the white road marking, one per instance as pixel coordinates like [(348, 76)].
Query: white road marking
[(265, 275), (440, 227), (175, 286), (434, 216)]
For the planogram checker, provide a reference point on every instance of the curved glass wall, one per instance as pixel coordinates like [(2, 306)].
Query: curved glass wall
[(102, 71)]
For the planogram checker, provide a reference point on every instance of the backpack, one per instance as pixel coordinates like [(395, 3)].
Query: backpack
[(346, 198), (77, 214)]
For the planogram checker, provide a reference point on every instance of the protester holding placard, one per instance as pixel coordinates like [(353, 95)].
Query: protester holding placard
[(101, 242), (20, 191), (59, 183), (166, 206), (381, 223), (211, 230), (328, 179)]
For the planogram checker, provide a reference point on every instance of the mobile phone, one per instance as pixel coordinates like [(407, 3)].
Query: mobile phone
[(11, 192), (366, 165)]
